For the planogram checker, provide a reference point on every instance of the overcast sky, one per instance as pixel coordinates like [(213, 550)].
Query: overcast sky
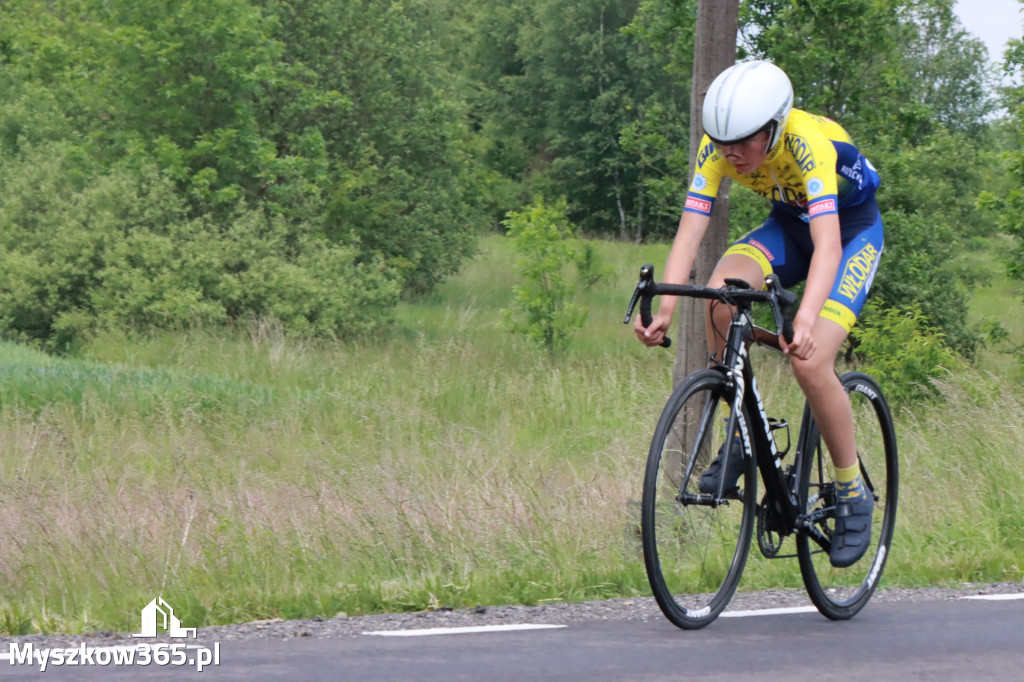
[(994, 21)]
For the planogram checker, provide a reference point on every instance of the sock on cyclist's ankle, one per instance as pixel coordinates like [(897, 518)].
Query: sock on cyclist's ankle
[(848, 474), (849, 484)]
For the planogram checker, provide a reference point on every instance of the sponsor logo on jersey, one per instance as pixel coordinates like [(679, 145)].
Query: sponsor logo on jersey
[(704, 153), (815, 187), (699, 182), (825, 206), (764, 249), (859, 271), (852, 174), (784, 195), (698, 204), (855, 173), (801, 151)]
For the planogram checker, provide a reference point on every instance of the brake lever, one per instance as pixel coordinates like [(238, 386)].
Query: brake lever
[(632, 305), (786, 309), (646, 281)]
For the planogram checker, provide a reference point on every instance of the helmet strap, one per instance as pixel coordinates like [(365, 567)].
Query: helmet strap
[(771, 127)]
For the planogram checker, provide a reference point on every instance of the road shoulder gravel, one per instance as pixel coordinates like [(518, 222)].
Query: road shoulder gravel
[(631, 608)]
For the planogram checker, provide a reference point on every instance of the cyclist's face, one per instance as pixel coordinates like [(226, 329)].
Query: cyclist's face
[(747, 155)]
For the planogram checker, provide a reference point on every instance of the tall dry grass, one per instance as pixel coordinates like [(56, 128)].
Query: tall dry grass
[(251, 475)]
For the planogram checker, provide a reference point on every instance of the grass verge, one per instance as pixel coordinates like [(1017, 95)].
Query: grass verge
[(252, 475)]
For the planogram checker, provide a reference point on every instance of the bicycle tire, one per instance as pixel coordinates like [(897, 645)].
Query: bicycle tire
[(695, 554), (840, 593)]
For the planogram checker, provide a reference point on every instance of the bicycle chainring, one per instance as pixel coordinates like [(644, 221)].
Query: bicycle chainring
[(769, 531)]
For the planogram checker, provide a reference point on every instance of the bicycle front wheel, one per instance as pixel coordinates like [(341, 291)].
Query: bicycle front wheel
[(695, 545), (839, 593)]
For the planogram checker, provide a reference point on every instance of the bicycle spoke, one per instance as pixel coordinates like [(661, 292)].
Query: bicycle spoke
[(695, 547), (840, 593)]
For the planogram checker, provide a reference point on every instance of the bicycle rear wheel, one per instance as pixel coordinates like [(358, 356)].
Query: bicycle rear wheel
[(694, 548), (839, 593)]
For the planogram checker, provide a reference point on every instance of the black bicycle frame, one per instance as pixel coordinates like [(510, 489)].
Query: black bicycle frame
[(780, 484)]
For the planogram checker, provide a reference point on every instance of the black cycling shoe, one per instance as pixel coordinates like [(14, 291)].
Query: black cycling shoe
[(708, 483), (853, 531)]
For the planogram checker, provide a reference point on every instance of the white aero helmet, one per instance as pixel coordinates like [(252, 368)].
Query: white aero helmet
[(746, 98)]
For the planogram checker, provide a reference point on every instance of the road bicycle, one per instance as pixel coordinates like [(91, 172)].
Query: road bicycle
[(695, 544)]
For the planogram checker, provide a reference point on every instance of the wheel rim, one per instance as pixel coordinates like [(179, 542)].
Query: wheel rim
[(839, 593), (694, 553)]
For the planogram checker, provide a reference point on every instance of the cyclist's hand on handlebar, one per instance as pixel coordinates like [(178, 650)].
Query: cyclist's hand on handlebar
[(803, 345), (653, 334)]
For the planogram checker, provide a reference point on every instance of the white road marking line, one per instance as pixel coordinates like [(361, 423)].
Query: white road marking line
[(769, 612), (538, 626), (460, 631), (726, 614)]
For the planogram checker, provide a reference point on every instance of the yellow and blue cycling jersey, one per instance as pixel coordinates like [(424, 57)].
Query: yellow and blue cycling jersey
[(783, 245), (817, 170)]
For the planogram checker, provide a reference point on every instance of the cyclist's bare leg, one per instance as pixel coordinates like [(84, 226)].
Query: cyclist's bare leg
[(829, 404), (832, 412), (719, 317), (817, 376)]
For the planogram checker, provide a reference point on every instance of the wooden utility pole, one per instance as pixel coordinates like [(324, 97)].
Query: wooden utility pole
[(714, 50)]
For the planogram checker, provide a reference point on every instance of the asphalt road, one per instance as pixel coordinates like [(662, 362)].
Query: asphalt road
[(935, 640)]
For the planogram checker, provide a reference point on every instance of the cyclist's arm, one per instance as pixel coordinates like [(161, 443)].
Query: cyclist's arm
[(828, 252), (692, 226)]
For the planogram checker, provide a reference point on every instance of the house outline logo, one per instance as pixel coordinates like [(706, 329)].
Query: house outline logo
[(170, 622)]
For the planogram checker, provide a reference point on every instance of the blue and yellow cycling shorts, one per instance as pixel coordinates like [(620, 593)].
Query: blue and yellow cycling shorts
[(782, 244)]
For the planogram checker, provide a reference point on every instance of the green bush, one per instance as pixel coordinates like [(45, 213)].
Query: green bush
[(927, 224), (542, 309), (902, 352), (120, 250), (163, 163)]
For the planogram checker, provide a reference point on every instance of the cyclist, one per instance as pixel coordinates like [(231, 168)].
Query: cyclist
[(824, 228)]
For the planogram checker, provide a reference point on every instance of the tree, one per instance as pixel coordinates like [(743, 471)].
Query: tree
[(590, 87), (907, 82), (222, 159), (561, 82), (658, 135), (400, 172), (714, 51), (894, 66), (841, 55), (1011, 206), (950, 86)]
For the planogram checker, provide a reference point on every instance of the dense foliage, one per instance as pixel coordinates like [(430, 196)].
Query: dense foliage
[(173, 161), (567, 100), (1009, 202), (903, 76), (912, 88), (177, 161)]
